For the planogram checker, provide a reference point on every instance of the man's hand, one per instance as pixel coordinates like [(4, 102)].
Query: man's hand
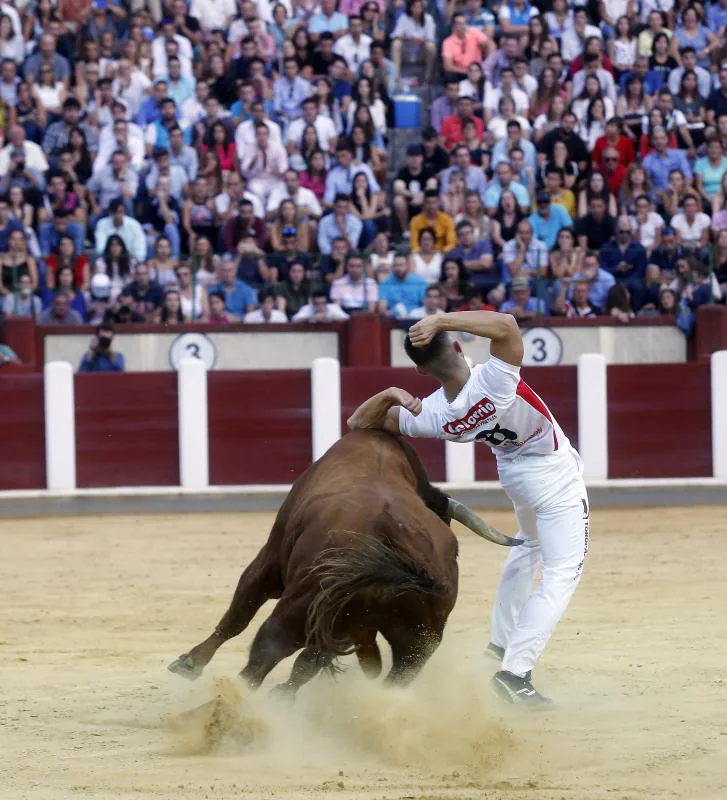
[(401, 397), (422, 332)]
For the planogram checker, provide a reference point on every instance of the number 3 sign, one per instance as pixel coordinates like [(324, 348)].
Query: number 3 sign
[(543, 347), (192, 345)]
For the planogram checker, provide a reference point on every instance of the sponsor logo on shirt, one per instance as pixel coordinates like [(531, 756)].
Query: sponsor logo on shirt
[(481, 411)]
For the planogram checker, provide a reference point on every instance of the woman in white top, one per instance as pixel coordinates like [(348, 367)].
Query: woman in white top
[(365, 94), (12, 44), (414, 30), (544, 123), (622, 48), (646, 224), (427, 263), (560, 19), (474, 85), (594, 125), (691, 225), (382, 256), (192, 296), (497, 126), (52, 93), (474, 213), (591, 90)]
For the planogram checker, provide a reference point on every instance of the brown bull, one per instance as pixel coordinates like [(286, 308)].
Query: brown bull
[(360, 546)]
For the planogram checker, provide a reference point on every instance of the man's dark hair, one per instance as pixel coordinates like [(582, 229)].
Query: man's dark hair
[(319, 293), (115, 205), (687, 49), (218, 295), (105, 327), (341, 197), (431, 193), (463, 225), (71, 102), (326, 36), (430, 353)]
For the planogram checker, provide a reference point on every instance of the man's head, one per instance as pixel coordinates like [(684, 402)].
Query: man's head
[(355, 26), (689, 57), (414, 157), (160, 91), (228, 273), (441, 357), (520, 290), (465, 234), (610, 159), (141, 274), (71, 111), (451, 91), (339, 249), (568, 122), (296, 273), (507, 79), (292, 182), (590, 266), (690, 206), (598, 208), (431, 202), (514, 131), (580, 294), (504, 174), (459, 25), (117, 210), (310, 110), (554, 179), (355, 266), (60, 305), (47, 45), (344, 156), (462, 158), (660, 138), (341, 204), (290, 68), (623, 231), (400, 266), (262, 135), (168, 110), (247, 211), (543, 201), (465, 107), (524, 232)]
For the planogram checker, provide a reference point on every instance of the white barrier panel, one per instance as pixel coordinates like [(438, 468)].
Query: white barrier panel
[(325, 386), (60, 427), (719, 414), (593, 416), (193, 424), (459, 462)]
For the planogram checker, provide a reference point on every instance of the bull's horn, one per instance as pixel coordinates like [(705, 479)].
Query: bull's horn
[(470, 520)]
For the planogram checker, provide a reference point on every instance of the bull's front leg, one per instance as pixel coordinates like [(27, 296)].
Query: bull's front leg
[(260, 582)]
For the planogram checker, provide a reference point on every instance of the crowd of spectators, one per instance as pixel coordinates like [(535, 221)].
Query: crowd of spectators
[(231, 160)]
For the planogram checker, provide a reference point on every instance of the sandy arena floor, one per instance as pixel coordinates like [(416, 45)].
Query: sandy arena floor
[(94, 608)]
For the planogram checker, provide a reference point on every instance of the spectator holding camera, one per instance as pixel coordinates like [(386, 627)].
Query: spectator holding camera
[(100, 356)]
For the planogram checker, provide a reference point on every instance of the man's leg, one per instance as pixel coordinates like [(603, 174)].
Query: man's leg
[(563, 535), (396, 48), (172, 233), (516, 580)]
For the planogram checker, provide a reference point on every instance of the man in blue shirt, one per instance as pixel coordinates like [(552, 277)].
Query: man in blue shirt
[(340, 223), (717, 17), (475, 256), (327, 19), (599, 281), (239, 297), (340, 178), (514, 138), (662, 161), (503, 180), (289, 91), (522, 305), (402, 291), (549, 220), (652, 80), (474, 177), (625, 259), (150, 109), (100, 357)]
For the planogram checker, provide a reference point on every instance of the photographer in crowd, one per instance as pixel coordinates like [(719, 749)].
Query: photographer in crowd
[(100, 357)]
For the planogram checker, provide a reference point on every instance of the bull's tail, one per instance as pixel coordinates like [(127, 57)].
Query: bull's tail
[(367, 566)]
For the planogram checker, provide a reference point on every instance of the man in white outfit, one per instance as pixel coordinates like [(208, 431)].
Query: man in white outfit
[(538, 469)]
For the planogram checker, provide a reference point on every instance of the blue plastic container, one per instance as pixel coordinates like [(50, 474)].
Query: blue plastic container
[(407, 111)]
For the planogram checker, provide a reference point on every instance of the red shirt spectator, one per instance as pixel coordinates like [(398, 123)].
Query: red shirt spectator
[(623, 144), (452, 126)]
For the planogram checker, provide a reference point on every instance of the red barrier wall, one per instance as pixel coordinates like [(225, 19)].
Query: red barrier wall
[(22, 431), (126, 429), (259, 426), (659, 421), (360, 383)]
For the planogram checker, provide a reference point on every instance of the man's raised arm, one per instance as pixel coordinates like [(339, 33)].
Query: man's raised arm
[(382, 410), (501, 329)]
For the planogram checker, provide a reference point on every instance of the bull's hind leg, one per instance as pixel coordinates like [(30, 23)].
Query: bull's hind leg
[(258, 583), (367, 652), (282, 633), (410, 651), (307, 665)]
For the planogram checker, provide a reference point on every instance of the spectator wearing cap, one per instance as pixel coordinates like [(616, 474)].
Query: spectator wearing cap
[(433, 217), (320, 310), (416, 31), (548, 220), (409, 186), (659, 163), (340, 223), (402, 291), (126, 227), (267, 313), (282, 260), (463, 47), (522, 305), (355, 291), (445, 105), (452, 126), (340, 178), (474, 177), (598, 281), (239, 296), (60, 312), (58, 133), (34, 155)]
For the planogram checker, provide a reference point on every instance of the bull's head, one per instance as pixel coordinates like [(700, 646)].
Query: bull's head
[(470, 520)]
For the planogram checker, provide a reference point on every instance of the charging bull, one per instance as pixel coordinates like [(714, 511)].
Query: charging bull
[(361, 545)]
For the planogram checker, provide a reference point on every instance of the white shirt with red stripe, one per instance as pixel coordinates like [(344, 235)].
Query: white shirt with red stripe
[(496, 407)]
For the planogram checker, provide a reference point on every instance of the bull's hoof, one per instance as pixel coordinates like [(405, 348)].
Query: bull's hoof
[(185, 666), (284, 692)]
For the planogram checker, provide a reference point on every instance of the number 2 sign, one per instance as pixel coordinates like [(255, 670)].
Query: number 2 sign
[(543, 347)]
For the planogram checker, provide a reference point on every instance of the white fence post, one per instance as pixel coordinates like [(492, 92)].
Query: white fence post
[(593, 415), (459, 462), (325, 387), (193, 424), (719, 414), (60, 427)]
